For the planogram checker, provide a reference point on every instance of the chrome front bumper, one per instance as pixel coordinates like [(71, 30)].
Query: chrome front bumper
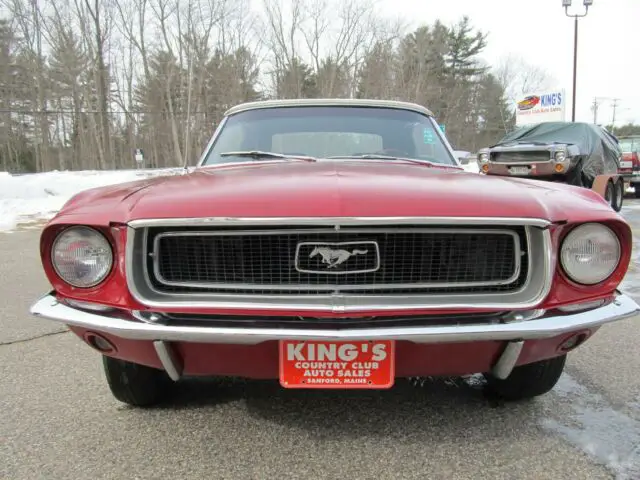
[(538, 169), (544, 326)]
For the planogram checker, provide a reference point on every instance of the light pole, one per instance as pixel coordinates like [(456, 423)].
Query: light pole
[(566, 4)]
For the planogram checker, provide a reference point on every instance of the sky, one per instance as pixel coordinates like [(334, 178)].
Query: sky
[(541, 33)]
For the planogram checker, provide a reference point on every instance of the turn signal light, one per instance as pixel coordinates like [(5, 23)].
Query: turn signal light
[(559, 168), (573, 342), (100, 343), (485, 168)]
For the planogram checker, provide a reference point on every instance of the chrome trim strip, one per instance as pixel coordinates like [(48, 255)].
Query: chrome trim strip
[(535, 289), (622, 307), (335, 222), (508, 359), (155, 254), (508, 164), (169, 359), (205, 152)]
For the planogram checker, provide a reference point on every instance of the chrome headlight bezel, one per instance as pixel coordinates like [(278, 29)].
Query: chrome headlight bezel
[(483, 157), (96, 240), (586, 275), (560, 156)]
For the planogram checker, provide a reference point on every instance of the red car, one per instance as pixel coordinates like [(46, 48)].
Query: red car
[(630, 161), (334, 244)]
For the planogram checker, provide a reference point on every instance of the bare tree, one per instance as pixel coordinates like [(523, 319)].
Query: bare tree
[(84, 82), (282, 40), (518, 77)]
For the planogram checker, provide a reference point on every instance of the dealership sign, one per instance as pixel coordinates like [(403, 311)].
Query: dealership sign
[(541, 107)]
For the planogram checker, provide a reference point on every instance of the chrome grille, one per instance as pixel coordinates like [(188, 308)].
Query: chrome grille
[(380, 260), (521, 157), (527, 291)]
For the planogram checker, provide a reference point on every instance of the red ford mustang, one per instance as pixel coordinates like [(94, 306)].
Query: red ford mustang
[(334, 244)]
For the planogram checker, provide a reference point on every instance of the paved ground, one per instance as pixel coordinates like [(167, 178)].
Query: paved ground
[(58, 420)]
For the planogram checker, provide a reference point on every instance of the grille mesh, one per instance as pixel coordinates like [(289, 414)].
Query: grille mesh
[(510, 157), (446, 260)]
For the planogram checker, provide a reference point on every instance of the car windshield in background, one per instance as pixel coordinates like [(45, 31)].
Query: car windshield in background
[(629, 145), (323, 132)]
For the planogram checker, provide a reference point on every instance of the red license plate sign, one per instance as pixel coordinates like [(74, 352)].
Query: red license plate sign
[(319, 364)]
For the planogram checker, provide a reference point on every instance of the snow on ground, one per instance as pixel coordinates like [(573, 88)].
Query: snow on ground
[(38, 196), (471, 167)]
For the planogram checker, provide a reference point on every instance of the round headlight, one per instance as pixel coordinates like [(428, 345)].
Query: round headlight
[(590, 253), (560, 156), (82, 256), (483, 157)]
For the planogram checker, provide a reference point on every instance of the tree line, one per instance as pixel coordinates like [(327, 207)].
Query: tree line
[(83, 83), (624, 130)]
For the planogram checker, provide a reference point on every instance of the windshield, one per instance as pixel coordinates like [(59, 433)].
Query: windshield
[(330, 131), (629, 145)]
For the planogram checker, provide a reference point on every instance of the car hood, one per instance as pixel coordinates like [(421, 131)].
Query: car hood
[(529, 146), (332, 189)]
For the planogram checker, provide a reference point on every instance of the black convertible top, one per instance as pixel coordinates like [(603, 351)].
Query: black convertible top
[(599, 149)]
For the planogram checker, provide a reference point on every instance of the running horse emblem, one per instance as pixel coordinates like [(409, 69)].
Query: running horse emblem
[(333, 258)]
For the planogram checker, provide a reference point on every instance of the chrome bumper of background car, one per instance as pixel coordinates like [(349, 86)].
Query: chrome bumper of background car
[(541, 327), (537, 169)]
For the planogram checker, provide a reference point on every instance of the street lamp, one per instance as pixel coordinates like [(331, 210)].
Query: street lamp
[(566, 4)]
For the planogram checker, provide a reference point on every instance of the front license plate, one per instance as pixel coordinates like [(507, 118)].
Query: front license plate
[(319, 364), (626, 164), (519, 170)]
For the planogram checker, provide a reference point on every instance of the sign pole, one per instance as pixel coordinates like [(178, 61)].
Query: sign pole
[(575, 65), (566, 4), (139, 157)]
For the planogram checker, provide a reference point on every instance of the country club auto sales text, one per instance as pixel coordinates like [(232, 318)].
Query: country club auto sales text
[(324, 362)]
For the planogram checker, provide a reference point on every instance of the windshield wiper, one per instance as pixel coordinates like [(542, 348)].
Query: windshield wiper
[(373, 156), (258, 154)]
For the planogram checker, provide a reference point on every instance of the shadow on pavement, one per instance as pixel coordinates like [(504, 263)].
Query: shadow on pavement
[(407, 407)]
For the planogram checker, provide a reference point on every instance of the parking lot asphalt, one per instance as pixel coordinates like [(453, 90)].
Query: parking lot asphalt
[(59, 420)]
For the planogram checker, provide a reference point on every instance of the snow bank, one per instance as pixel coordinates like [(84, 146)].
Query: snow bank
[(39, 196), (471, 167)]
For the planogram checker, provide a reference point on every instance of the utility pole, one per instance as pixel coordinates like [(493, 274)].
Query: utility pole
[(613, 119), (596, 105)]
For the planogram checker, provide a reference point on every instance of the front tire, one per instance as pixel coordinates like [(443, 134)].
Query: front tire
[(528, 381), (134, 384)]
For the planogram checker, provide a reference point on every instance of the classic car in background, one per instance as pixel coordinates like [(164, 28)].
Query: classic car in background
[(334, 244), (570, 152), (630, 164)]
